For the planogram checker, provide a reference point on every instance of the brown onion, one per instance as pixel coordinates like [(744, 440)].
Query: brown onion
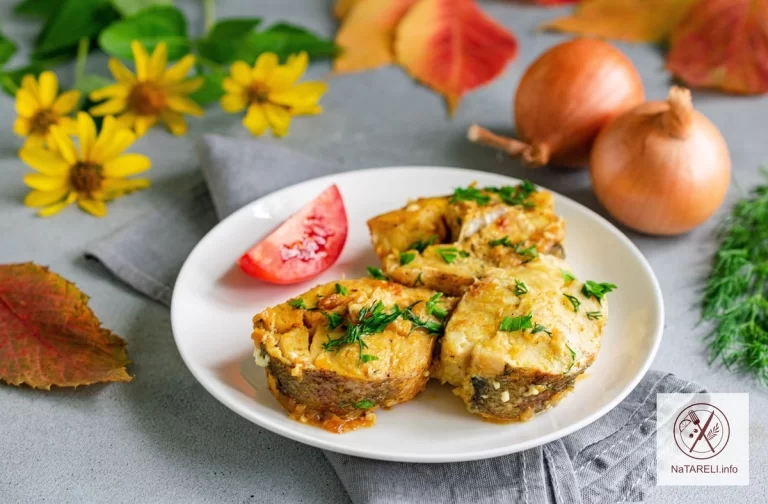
[(662, 168), (564, 98)]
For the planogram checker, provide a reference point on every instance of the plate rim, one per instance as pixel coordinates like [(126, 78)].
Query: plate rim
[(280, 429)]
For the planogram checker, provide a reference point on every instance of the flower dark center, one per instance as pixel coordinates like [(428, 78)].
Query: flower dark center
[(258, 93), (85, 178), (147, 98), (42, 121)]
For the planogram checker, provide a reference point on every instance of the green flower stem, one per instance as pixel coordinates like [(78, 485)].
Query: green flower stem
[(209, 14), (82, 58)]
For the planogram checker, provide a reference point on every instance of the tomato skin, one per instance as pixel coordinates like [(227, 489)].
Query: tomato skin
[(303, 246)]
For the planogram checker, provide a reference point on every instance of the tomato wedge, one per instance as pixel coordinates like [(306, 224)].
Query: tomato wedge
[(304, 246)]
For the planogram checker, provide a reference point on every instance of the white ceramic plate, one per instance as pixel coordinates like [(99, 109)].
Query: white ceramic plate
[(213, 303)]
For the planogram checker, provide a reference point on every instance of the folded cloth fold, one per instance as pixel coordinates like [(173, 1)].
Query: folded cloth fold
[(611, 460)]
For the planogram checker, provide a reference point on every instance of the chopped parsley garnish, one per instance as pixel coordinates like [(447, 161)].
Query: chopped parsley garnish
[(365, 404), (340, 289), (594, 315), (574, 302), (520, 288), (371, 320), (449, 254), (540, 328), (334, 320), (407, 257), (431, 326), (298, 303), (418, 280), (529, 253), (516, 323), (504, 241), (573, 358), (377, 273), (368, 357), (598, 290), (434, 309), (470, 194), (567, 276), (515, 195), (420, 245)]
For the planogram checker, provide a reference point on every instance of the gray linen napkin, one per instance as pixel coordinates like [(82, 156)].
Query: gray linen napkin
[(611, 460)]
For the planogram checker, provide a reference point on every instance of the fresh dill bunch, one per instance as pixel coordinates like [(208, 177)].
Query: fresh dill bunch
[(735, 293)]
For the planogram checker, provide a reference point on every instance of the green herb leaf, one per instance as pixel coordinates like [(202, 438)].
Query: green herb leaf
[(574, 302), (540, 328), (340, 289), (464, 253), (520, 288), (368, 358), (594, 315), (598, 290), (470, 194), (503, 241), (40, 8), (418, 280), (365, 404), (150, 27), (212, 89), (71, 21), (573, 359), (297, 303), (515, 195), (520, 323), (421, 245), (376, 273), (233, 28), (530, 253), (7, 49), (567, 276), (334, 320), (434, 309), (371, 320), (407, 257), (449, 254), (431, 326), (130, 7)]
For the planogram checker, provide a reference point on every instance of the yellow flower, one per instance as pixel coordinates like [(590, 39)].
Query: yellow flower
[(90, 175), (154, 93), (270, 92), (39, 108)]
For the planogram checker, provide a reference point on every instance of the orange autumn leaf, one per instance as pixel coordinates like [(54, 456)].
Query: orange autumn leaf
[(627, 20), (367, 34), (342, 7), (723, 44), (550, 3), (452, 47), (49, 336)]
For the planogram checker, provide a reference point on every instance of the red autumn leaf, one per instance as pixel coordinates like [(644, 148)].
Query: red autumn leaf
[(49, 336), (723, 44), (452, 47)]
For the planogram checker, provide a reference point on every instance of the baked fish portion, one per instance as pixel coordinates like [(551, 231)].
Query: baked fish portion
[(446, 243), (519, 338), (341, 350)]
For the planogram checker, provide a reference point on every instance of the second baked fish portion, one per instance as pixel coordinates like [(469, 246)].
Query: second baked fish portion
[(446, 243)]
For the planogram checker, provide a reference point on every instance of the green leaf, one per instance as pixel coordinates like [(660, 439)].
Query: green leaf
[(73, 20), (233, 28), (282, 39), (40, 8), (92, 82), (150, 27), (11, 80), (7, 49), (130, 7), (211, 90)]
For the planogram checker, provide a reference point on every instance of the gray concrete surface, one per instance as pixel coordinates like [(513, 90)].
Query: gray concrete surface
[(164, 439)]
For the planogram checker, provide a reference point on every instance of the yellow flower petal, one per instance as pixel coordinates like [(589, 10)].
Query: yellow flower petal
[(44, 198), (279, 119), (301, 95), (230, 85), (175, 122), (45, 182), (121, 140), (44, 161), (143, 123), (93, 207), (66, 102), (122, 186), (35, 141), (86, 132), (265, 65), (126, 120), (29, 83), (285, 76), (127, 165), (158, 61), (233, 103), (241, 73), (120, 72), (68, 125), (180, 70), (184, 105), (308, 110), (49, 88), (64, 145), (113, 106), (117, 90), (255, 120), (141, 58), (58, 207), (21, 126), (187, 86), (26, 104)]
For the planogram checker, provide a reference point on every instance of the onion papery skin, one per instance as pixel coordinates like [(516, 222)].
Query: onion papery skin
[(653, 182), (568, 95)]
